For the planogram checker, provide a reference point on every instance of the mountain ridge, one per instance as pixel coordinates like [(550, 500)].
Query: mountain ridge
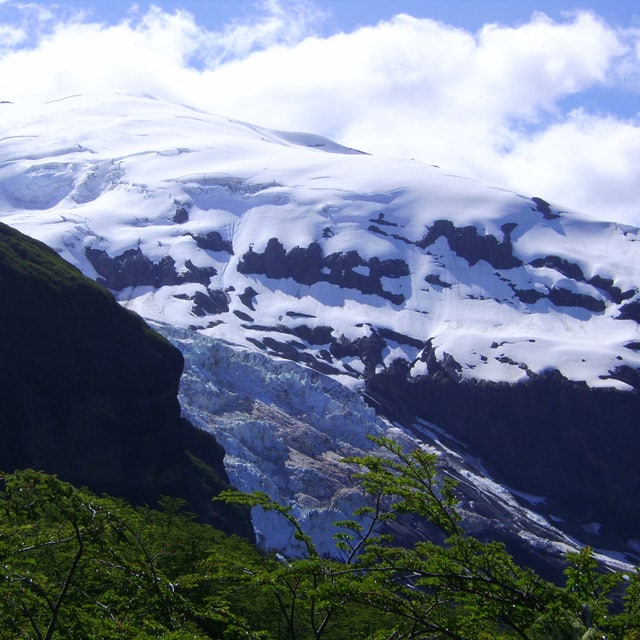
[(390, 276)]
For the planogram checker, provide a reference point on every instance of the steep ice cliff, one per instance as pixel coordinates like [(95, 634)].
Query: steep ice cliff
[(285, 429)]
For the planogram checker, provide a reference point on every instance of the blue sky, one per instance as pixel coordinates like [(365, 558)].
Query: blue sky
[(349, 14), (539, 96)]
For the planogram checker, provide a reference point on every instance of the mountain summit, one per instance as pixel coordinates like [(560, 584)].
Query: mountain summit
[(453, 306)]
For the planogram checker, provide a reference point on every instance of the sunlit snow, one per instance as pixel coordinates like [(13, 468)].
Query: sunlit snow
[(109, 171), (121, 173)]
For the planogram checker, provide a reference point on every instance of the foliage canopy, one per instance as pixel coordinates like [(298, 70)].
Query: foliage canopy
[(74, 565)]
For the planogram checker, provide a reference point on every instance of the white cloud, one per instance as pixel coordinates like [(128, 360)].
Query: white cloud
[(10, 37), (591, 162), (274, 22), (486, 104), (146, 55)]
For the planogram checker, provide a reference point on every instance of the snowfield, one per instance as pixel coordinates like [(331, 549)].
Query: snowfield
[(110, 172), (328, 263)]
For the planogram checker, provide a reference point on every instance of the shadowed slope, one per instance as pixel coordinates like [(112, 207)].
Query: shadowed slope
[(88, 390)]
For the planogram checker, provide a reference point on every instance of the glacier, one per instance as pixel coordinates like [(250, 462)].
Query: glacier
[(285, 429), (316, 290)]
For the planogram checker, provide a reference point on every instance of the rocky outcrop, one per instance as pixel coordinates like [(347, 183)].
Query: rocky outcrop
[(575, 445), (451, 300), (308, 265), (573, 271), (213, 241), (543, 207), (470, 245), (89, 392), (133, 269)]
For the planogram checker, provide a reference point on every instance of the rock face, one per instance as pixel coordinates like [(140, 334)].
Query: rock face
[(89, 392), (307, 265), (502, 321), (545, 437)]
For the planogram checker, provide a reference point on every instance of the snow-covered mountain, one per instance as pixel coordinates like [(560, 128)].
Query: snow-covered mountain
[(446, 303)]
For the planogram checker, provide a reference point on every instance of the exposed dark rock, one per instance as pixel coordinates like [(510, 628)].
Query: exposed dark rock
[(307, 265), (293, 351), (341, 266), (377, 230), (630, 311), (565, 298), (89, 392), (209, 325), (270, 263), (327, 232), (606, 285), (573, 271), (468, 244), (279, 328), (133, 269), (201, 275), (247, 297), (319, 365), (389, 268), (400, 338), (243, 316), (544, 208), (528, 296), (507, 228), (549, 436), (284, 349), (561, 265), (314, 335), (210, 303), (434, 279), (213, 241), (381, 220), (257, 343), (181, 215), (447, 368), (626, 374), (367, 348)]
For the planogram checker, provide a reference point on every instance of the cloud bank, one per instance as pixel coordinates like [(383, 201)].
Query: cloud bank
[(500, 104)]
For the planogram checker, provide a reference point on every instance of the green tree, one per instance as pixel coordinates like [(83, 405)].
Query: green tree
[(47, 533), (77, 566), (73, 565), (314, 595), (454, 587)]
